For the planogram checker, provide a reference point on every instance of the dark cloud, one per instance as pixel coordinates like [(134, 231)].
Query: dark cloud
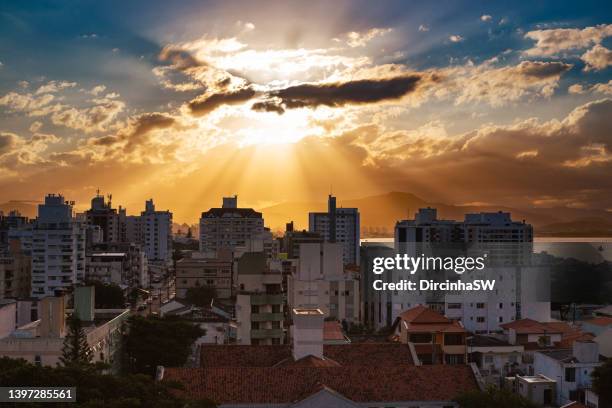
[(181, 60), (540, 70), (135, 134), (206, 104), (268, 106), (7, 142), (339, 94)]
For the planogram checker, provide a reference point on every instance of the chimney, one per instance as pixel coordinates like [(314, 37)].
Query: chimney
[(586, 351), (307, 333), (52, 314), (84, 303)]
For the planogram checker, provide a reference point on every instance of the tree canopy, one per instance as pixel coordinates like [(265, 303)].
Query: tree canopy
[(154, 341), (493, 397), (76, 350), (602, 383), (94, 389), (200, 295), (108, 295)]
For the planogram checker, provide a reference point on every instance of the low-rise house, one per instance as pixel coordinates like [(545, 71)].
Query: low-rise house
[(603, 311), (495, 358), (313, 374), (218, 326), (41, 341), (435, 338), (597, 325), (571, 368), (538, 389), (604, 340)]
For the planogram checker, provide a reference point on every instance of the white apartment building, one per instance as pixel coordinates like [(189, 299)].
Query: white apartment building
[(322, 282), (153, 230), (508, 246), (340, 225), (229, 226), (58, 248)]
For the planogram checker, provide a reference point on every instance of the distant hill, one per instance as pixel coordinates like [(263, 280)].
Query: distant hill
[(380, 212), (591, 227), (26, 208)]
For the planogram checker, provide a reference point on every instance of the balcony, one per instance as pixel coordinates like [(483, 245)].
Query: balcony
[(266, 333), (266, 317), (267, 299)]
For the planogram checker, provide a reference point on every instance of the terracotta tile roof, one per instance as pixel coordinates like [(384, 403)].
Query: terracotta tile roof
[(376, 354), (429, 328), (422, 314), (308, 361), (529, 326), (600, 321), (332, 331), (270, 385)]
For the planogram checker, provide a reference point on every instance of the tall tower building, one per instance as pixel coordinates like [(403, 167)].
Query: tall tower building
[(104, 216), (229, 226), (338, 225), (157, 232), (58, 248)]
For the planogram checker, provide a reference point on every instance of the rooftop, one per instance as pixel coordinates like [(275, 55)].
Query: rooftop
[(600, 321), (529, 326), (276, 385), (360, 354)]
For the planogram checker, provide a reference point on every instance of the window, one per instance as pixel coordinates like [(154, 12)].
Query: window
[(454, 358), (500, 319), (37, 360), (254, 308), (454, 305), (544, 340), (480, 305), (254, 325), (453, 339), (570, 374), (420, 338), (480, 319), (276, 325), (488, 359), (276, 309)]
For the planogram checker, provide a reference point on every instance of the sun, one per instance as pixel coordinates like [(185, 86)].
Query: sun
[(270, 128)]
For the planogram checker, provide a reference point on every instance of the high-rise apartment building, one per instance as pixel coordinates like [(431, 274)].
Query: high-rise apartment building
[(338, 225), (229, 226), (508, 247), (58, 248), (153, 230), (104, 216)]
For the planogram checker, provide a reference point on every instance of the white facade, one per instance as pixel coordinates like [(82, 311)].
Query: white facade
[(320, 282), (571, 369), (58, 248), (157, 229)]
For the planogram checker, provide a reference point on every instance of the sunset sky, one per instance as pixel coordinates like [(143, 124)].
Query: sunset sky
[(459, 102)]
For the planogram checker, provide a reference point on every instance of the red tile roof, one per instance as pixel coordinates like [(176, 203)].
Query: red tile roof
[(332, 331), (600, 321), (377, 354), (269, 385), (422, 314), (529, 326)]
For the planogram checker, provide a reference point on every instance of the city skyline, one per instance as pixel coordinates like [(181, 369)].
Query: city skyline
[(473, 103)]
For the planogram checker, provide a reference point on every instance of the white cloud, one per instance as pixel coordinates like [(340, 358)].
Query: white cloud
[(423, 28), (553, 41), (54, 86), (597, 58), (486, 17), (456, 38), (360, 39)]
